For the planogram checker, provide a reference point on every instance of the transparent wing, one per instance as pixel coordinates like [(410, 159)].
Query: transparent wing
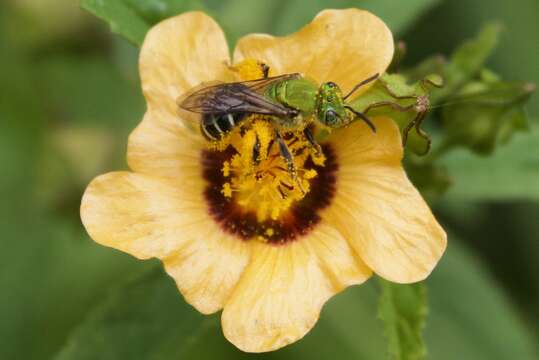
[(237, 97)]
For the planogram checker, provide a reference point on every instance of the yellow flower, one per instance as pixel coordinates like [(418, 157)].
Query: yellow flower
[(214, 217)]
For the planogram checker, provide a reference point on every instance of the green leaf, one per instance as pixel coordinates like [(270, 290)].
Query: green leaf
[(468, 60), (52, 273), (470, 57), (154, 11), (141, 320), (470, 316), (399, 15), (403, 309), (431, 179), (90, 130), (100, 95), (239, 17), (122, 19), (485, 113), (511, 173), (133, 18)]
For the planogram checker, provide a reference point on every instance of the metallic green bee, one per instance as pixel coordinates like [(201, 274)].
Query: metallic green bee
[(292, 102)]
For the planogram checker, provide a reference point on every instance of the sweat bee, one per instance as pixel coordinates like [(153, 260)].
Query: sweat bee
[(292, 103)]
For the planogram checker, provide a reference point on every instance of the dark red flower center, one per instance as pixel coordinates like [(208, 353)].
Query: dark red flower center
[(295, 222)]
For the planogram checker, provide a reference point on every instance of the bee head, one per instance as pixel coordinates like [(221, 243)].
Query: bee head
[(330, 105)]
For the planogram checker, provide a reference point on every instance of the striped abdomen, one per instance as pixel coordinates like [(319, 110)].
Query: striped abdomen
[(215, 126)]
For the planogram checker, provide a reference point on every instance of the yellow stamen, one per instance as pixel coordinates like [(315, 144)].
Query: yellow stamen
[(264, 185), (310, 174), (226, 169), (227, 190), (221, 144), (259, 178), (249, 69), (319, 159)]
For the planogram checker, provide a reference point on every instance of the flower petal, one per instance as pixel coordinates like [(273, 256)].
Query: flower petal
[(207, 269), (178, 54), (162, 145), (344, 46), (138, 214), (148, 217), (280, 295), (378, 209)]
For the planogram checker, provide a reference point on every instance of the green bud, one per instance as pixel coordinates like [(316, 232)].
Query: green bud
[(486, 112)]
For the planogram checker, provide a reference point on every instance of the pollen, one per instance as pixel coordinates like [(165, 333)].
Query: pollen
[(259, 177), (226, 169), (310, 174), (221, 144), (249, 69), (227, 190)]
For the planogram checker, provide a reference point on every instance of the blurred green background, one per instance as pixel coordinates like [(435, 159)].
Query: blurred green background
[(69, 96)]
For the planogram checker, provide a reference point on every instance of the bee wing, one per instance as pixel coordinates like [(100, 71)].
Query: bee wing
[(237, 97), (259, 85)]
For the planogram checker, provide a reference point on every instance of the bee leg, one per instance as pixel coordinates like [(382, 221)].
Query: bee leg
[(416, 123), (289, 159), (270, 145), (362, 117), (421, 107), (265, 69), (419, 119), (310, 138), (256, 152), (407, 130)]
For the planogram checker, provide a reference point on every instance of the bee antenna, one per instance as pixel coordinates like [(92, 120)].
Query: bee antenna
[(364, 82), (363, 117)]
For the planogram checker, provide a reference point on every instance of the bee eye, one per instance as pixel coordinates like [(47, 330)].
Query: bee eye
[(331, 84), (331, 117)]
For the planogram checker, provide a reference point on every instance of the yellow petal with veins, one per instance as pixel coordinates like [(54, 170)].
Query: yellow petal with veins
[(148, 217), (207, 270), (162, 145), (280, 295), (378, 209), (178, 54), (343, 46)]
